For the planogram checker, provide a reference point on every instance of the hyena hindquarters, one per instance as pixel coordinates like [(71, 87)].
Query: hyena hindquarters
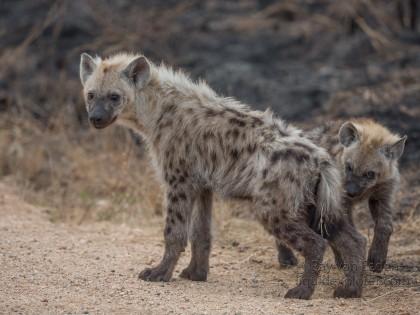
[(367, 154), (309, 229), (202, 143)]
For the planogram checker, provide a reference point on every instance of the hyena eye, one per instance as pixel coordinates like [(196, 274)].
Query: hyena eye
[(114, 97), (369, 175), (90, 96), (349, 168)]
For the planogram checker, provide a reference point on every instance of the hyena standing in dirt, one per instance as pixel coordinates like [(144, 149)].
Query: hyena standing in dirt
[(202, 143), (367, 154)]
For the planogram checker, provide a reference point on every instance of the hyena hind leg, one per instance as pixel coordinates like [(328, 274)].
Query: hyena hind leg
[(312, 246), (285, 255), (200, 237), (350, 246)]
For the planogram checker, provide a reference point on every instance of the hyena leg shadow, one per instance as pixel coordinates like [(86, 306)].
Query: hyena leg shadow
[(285, 255), (200, 237), (176, 235), (350, 246)]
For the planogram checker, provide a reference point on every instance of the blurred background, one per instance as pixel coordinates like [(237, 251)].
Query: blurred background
[(309, 60)]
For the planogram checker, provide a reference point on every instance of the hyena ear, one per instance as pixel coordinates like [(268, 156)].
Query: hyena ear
[(394, 151), (87, 66), (138, 72), (348, 134)]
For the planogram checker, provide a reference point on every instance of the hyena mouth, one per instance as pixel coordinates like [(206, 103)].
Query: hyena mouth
[(102, 125)]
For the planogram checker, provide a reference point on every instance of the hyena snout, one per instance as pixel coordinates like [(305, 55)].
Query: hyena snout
[(353, 189), (100, 118)]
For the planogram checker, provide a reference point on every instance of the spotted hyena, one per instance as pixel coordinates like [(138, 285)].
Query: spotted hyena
[(201, 144), (367, 154)]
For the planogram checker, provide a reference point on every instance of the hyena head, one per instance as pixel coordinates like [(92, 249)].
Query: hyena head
[(110, 85), (370, 155)]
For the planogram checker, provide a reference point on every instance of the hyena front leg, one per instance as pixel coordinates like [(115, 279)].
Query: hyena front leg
[(200, 237), (285, 255), (176, 235), (380, 208)]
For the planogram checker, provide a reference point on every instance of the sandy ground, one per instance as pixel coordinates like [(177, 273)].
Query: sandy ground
[(49, 268)]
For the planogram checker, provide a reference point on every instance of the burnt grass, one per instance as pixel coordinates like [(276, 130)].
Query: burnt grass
[(310, 61)]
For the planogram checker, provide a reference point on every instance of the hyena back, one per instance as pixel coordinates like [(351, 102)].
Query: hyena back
[(367, 154), (202, 143)]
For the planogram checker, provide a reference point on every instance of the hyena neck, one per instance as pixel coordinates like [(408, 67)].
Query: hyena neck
[(167, 89)]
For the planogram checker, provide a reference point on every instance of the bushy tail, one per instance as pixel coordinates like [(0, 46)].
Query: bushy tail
[(329, 195)]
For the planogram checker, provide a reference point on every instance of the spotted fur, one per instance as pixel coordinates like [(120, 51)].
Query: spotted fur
[(202, 143)]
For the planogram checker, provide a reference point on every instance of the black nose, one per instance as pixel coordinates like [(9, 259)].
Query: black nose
[(96, 120), (352, 189)]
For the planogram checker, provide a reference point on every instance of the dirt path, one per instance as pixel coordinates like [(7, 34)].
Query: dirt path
[(48, 268)]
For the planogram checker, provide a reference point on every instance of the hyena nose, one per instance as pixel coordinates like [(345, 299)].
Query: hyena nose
[(96, 120), (352, 189)]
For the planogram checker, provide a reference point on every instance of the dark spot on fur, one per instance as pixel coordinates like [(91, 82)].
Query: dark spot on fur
[(172, 180), (256, 121), (276, 220), (182, 196), (180, 217), (170, 210), (207, 135), (251, 148), (174, 199), (211, 113), (238, 122), (288, 154), (214, 157), (277, 231), (172, 221), (304, 146), (289, 228), (181, 179), (265, 172), (168, 230), (292, 239), (235, 154), (233, 111), (235, 133)]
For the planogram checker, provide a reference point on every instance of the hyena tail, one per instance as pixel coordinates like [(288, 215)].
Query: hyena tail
[(329, 195)]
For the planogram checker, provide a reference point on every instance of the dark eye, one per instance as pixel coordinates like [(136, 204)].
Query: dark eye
[(114, 97), (369, 175), (349, 168), (90, 96)]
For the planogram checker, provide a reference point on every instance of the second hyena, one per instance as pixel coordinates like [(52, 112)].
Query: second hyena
[(202, 143), (367, 154)]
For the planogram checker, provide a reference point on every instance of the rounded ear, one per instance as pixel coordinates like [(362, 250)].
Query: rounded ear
[(396, 150), (348, 134), (138, 72), (87, 66)]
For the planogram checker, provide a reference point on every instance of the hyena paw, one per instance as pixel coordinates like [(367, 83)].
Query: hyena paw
[(155, 274), (376, 260), (287, 260), (347, 292), (299, 292), (194, 274)]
